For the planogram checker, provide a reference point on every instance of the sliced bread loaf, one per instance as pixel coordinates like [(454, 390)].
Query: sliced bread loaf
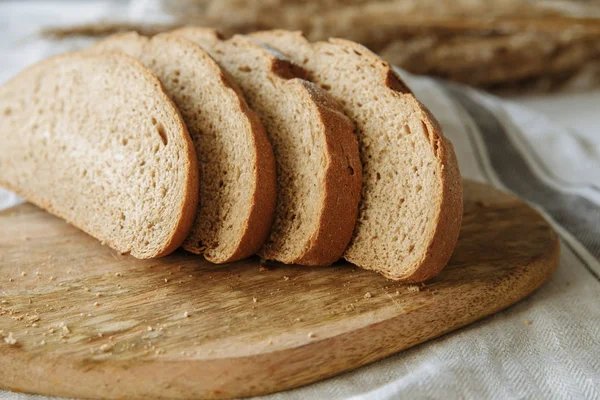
[(411, 208), (235, 158), (95, 140), (316, 152)]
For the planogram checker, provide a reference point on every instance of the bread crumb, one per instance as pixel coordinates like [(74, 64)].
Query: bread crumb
[(186, 314), (100, 334), (23, 273), (118, 274), (286, 278), (65, 329), (527, 322), (298, 319), (166, 280), (254, 299), (159, 351), (52, 278), (42, 343), (397, 292), (96, 304), (10, 339), (263, 268), (106, 348), (311, 335), (51, 330), (149, 329), (10, 279), (413, 288), (368, 295), (34, 318), (86, 289), (98, 294)]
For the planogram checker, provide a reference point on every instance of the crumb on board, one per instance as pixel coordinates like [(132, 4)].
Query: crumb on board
[(186, 314), (105, 348), (286, 278), (166, 280), (65, 328), (311, 335), (98, 294), (52, 278), (254, 299), (118, 274), (149, 329), (368, 295), (10, 339), (23, 273), (263, 268), (527, 322), (413, 288), (96, 304)]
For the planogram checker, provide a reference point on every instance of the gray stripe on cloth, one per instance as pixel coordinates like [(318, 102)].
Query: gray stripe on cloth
[(531, 153), (576, 214)]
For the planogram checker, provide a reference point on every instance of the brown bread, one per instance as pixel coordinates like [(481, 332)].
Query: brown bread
[(411, 208), (316, 152), (95, 140), (235, 158)]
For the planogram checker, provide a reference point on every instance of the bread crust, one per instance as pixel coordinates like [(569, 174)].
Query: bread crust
[(441, 240), (339, 205), (341, 190), (186, 208)]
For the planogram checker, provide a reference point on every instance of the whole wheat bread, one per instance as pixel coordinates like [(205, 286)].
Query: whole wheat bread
[(95, 140), (316, 152), (235, 159), (411, 209)]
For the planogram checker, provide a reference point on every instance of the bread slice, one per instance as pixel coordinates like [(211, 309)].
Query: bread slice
[(411, 208), (316, 152), (235, 158), (95, 140)]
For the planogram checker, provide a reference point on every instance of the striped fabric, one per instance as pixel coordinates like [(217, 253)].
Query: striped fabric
[(501, 357)]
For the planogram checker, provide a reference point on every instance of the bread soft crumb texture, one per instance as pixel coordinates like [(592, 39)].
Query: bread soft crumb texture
[(95, 140), (235, 159), (316, 152), (411, 208)]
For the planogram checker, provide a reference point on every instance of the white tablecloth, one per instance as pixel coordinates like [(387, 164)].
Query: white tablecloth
[(555, 168)]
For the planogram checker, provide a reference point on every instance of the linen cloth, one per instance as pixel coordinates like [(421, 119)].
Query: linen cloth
[(554, 168)]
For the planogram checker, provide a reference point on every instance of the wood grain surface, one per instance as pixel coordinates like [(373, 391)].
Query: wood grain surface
[(79, 320)]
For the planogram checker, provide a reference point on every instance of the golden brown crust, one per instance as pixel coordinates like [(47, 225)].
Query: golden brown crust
[(443, 239), (342, 183), (263, 202), (190, 199)]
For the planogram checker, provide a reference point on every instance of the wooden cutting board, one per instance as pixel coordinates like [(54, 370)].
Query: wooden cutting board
[(79, 320)]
